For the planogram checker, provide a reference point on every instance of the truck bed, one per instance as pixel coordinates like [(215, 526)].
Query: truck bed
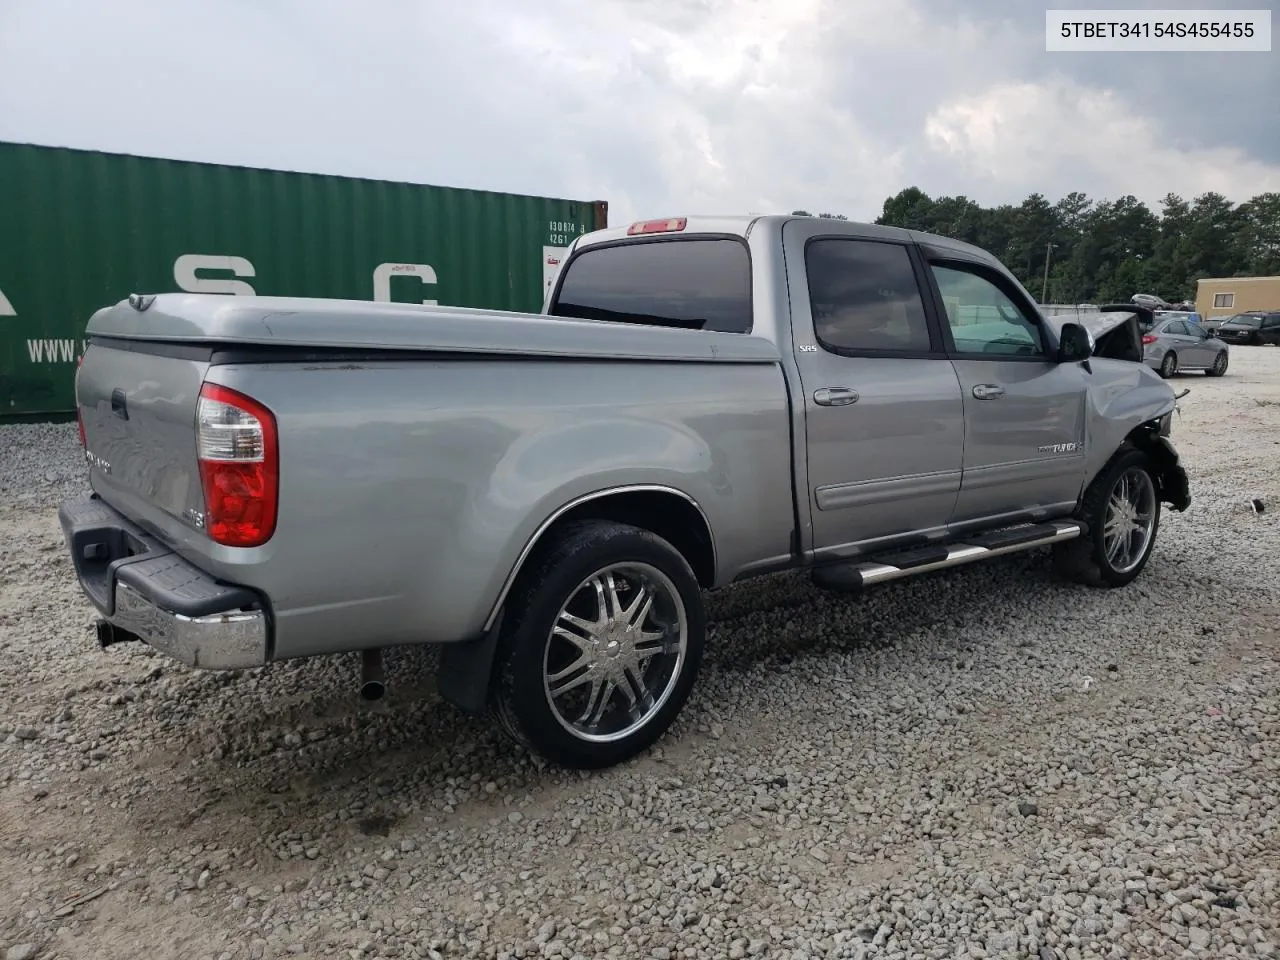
[(421, 448)]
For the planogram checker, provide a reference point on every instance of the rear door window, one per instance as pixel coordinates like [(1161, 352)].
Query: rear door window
[(695, 284), (865, 298)]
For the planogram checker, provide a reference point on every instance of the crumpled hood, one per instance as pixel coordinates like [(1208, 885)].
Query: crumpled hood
[(1097, 324), (1116, 329)]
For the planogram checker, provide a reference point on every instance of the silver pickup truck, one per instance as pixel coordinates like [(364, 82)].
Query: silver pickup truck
[(548, 496)]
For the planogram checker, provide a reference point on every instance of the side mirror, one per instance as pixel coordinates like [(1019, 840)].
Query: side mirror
[(1075, 344)]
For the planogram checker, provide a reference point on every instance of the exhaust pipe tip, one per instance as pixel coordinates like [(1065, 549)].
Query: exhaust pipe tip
[(109, 634), (373, 676)]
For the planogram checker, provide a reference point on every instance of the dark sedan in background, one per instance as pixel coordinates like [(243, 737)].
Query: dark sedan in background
[(1253, 329)]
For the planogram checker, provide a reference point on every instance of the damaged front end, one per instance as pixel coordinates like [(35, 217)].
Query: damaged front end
[(1153, 437), (1116, 329), (1128, 405), (1172, 484)]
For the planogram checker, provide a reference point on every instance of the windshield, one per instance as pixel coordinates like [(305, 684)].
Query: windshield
[(1250, 322)]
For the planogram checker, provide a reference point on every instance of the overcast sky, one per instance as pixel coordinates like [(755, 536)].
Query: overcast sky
[(657, 106)]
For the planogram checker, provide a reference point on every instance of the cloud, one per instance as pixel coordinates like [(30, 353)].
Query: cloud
[(658, 106), (1193, 98), (1022, 135)]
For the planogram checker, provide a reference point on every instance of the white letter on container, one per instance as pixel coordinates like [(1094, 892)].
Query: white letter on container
[(185, 267), (385, 271)]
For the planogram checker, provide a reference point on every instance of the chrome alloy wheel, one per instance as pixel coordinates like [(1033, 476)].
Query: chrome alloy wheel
[(1130, 519), (616, 652)]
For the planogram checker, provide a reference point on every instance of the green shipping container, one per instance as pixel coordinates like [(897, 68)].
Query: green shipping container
[(81, 229)]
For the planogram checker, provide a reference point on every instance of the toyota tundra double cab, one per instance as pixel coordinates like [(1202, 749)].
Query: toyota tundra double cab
[(547, 497)]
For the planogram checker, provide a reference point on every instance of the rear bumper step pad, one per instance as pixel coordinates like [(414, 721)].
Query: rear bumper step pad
[(144, 590)]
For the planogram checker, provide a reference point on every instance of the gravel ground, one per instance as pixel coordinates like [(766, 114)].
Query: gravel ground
[(985, 763)]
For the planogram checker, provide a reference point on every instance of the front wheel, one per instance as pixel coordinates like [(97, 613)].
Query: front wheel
[(1122, 511), (606, 637), (1219, 365)]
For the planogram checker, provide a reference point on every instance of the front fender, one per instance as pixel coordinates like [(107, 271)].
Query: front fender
[(1121, 397)]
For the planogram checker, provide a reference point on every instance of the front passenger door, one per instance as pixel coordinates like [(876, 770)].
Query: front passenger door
[(1023, 411)]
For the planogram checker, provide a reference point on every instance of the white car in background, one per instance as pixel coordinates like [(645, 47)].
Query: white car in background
[(1150, 301)]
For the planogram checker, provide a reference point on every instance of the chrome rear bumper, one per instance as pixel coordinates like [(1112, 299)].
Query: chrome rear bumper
[(148, 592), (232, 640)]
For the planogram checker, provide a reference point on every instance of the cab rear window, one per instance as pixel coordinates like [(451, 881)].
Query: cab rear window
[(692, 284)]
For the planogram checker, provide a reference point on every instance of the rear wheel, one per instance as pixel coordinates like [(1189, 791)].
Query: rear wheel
[(1219, 365), (1122, 510), (1169, 365), (606, 639)]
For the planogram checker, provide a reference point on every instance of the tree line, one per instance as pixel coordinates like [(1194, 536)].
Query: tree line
[(1105, 251)]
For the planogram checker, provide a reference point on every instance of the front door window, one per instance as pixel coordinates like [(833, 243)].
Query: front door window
[(983, 319)]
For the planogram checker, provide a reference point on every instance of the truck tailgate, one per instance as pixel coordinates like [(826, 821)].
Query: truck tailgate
[(137, 402)]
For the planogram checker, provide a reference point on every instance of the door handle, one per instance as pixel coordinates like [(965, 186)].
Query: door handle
[(118, 405), (988, 391), (835, 396)]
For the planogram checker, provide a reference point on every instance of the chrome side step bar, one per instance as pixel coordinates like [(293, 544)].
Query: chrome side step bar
[(895, 565)]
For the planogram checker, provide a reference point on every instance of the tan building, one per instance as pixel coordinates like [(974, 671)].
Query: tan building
[(1224, 296)]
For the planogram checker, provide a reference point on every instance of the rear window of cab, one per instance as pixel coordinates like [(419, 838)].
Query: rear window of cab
[(694, 283)]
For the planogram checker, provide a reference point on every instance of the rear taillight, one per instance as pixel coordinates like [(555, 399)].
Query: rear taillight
[(239, 466), (1148, 339), (84, 443)]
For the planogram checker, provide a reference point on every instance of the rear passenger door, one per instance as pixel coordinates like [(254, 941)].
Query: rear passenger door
[(1024, 411), (1199, 347), (883, 414), (1178, 339)]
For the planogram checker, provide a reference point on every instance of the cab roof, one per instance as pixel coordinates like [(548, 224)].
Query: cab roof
[(743, 225)]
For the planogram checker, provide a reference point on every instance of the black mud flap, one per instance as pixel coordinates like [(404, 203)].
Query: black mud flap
[(465, 674), (1175, 489)]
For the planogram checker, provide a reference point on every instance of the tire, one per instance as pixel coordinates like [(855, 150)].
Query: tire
[(571, 575), (1219, 365), (1087, 559), (1168, 364)]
